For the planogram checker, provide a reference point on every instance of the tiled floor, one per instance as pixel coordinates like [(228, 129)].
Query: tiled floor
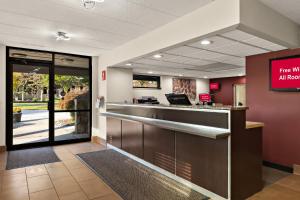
[(72, 180), (66, 180)]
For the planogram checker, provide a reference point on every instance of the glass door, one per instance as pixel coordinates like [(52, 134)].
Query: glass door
[(72, 111), (48, 98), (30, 104)]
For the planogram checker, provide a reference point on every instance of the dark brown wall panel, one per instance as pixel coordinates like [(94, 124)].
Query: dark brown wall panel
[(203, 161), (246, 158), (225, 95), (132, 138), (159, 147), (114, 131), (279, 111)]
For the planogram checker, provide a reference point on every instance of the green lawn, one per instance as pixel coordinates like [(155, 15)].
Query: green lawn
[(34, 106)]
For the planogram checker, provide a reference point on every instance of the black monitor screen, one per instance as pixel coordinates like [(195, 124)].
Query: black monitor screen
[(178, 99)]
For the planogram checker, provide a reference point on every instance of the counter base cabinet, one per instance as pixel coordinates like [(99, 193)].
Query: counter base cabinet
[(203, 161), (132, 138), (159, 147), (114, 132)]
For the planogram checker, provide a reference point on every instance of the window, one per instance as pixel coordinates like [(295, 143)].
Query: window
[(143, 81)]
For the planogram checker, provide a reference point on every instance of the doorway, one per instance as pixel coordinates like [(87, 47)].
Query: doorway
[(239, 94), (48, 98)]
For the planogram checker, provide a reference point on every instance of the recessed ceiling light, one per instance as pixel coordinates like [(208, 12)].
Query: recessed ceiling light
[(180, 75), (128, 64), (150, 72), (62, 36), (157, 56), (205, 77), (206, 42), (241, 74)]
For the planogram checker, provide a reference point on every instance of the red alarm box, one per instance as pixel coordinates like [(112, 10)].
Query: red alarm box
[(103, 75)]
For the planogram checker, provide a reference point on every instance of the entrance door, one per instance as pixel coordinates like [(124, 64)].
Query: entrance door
[(48, 98)]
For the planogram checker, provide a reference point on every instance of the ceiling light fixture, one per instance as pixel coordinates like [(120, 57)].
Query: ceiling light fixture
[(180, 75), (62, 36), (90, 4), (128, 64), (150, 72), (206, 42), (205, 77), (157, 56)]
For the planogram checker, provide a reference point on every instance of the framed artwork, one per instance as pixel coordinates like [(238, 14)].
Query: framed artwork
[(185, 86)]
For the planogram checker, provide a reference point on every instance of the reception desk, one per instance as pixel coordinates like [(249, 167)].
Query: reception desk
[(212, 147)]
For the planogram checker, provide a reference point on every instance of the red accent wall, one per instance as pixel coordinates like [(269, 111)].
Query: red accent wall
[(225, 95), (280, 111)]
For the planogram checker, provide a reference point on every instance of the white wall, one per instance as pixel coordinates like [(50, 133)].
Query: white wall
[(202, 86), (2, 94), (259, 20), (116, 88), (95, 78), (119, 85)]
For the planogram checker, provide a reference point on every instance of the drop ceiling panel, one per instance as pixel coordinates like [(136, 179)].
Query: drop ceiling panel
[(241, 50), (253, 40), (182, 60), (225, 57), (177, 7), (161, 63), (194, 53), (107, 26), (217, 42)]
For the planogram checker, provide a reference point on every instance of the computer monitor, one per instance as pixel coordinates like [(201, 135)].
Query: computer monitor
[(178, 99)]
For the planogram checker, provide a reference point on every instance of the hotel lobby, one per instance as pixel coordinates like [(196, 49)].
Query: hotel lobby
[(149, 100)]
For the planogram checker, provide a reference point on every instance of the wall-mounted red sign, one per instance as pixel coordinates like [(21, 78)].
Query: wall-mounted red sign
[(204, 97), (285, 74), (214, 86), (103, 75)]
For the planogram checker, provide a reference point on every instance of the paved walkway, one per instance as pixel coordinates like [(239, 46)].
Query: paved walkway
[(34, 127)]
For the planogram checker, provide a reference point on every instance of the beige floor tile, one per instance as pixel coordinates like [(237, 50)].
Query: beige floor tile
[(44, 195), (109, 197), (14, 171), (37, 170), (95, 188), (297, 169), (2, 165), (292, 182), (271, 175), (73, 164), (58, 172), (66, 186), (74, 196), (39, 183), (20, 193), (82, 174), (66, 156), (54, 165), (276, 192), (10, 181)]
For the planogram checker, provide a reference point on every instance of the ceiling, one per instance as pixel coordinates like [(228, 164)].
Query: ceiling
[(34, 23), (225, 57), (288, 8)]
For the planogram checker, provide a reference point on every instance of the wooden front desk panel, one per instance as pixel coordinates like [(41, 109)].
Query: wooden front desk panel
[(203, 161), (159, 147), (132, 138), (114, 132)]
